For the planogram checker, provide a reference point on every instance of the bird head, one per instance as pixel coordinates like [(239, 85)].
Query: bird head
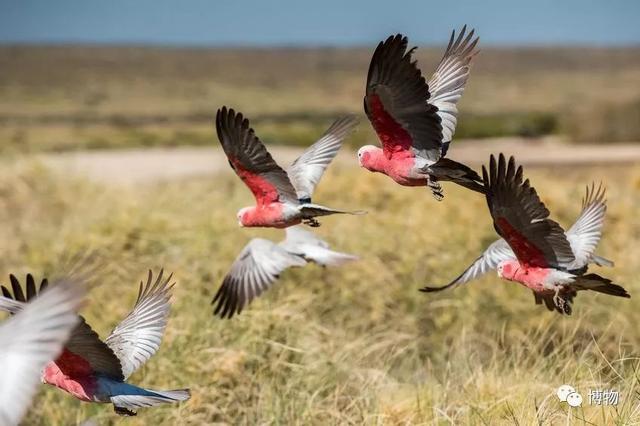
[(507, 269), (242, 215), (366, 154)]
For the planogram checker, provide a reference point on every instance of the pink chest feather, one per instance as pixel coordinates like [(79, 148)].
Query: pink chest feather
[(270, 215), (400, 167), (402, 170), (532, 277)]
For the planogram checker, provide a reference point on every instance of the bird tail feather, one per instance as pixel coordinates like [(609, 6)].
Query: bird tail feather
[(600, 284), (326, 257), (446, 169), (312, 210), (150, 398)]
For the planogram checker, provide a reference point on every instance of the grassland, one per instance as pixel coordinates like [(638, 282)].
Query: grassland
[(62, 98), (355, 345), (352, 345)]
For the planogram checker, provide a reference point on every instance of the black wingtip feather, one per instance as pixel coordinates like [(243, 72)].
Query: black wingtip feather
[(31, 287), (17, 289), (428, 289), (226, 301), (6, 293)]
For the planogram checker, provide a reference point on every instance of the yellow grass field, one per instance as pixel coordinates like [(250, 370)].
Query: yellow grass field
[(354, 345)]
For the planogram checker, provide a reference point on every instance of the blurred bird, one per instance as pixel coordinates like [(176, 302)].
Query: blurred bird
[(30, 340), (415, 120), (261, 261), (283, 198), (534, 250), (96, 371)]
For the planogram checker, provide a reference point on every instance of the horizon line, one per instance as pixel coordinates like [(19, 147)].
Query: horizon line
[(294, 46)]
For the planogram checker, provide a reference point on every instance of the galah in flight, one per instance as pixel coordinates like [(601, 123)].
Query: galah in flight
[(96, 371), (583, 237), (283, 198), (534, 250), (415, 120), (30, 340), (261, 261)]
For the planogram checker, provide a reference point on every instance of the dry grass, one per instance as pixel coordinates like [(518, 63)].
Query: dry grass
[(352, 345), (55, 98)]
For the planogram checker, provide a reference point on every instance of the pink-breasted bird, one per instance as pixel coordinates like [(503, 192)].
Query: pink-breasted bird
[(96, 371), (261, 261), (415, 120), (31, 339), (283, 198), (534, 250)]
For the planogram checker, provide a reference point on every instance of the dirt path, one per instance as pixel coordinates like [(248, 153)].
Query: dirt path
[(157, 164)]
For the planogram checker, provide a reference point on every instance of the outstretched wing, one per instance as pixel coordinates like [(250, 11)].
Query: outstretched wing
[(256, 268), (251, 161), (447, 82), (138, 337), (305, 172), (585, 233), (497, 252), (522, 219), (84, 351), (30, 340), (396, 103)]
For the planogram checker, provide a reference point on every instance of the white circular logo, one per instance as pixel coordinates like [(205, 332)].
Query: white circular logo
[(564, 391), (574, 399)]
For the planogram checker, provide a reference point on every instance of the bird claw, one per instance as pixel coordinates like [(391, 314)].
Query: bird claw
[(436, 188), (562, 303), (312, 222), (557, 300)]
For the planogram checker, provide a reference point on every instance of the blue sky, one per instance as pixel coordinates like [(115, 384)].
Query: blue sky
[(319, 22)]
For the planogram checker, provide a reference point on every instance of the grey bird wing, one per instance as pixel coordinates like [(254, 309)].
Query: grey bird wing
[(585, 233), (83, 342), (497, 252), (448, 81), (256, 268), (314, 249), (305, 172), (521, 218), (396, 102), (138, 337), (31, 339), (251, 161)]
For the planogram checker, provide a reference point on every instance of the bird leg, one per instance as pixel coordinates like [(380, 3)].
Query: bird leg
[(312, 222)]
